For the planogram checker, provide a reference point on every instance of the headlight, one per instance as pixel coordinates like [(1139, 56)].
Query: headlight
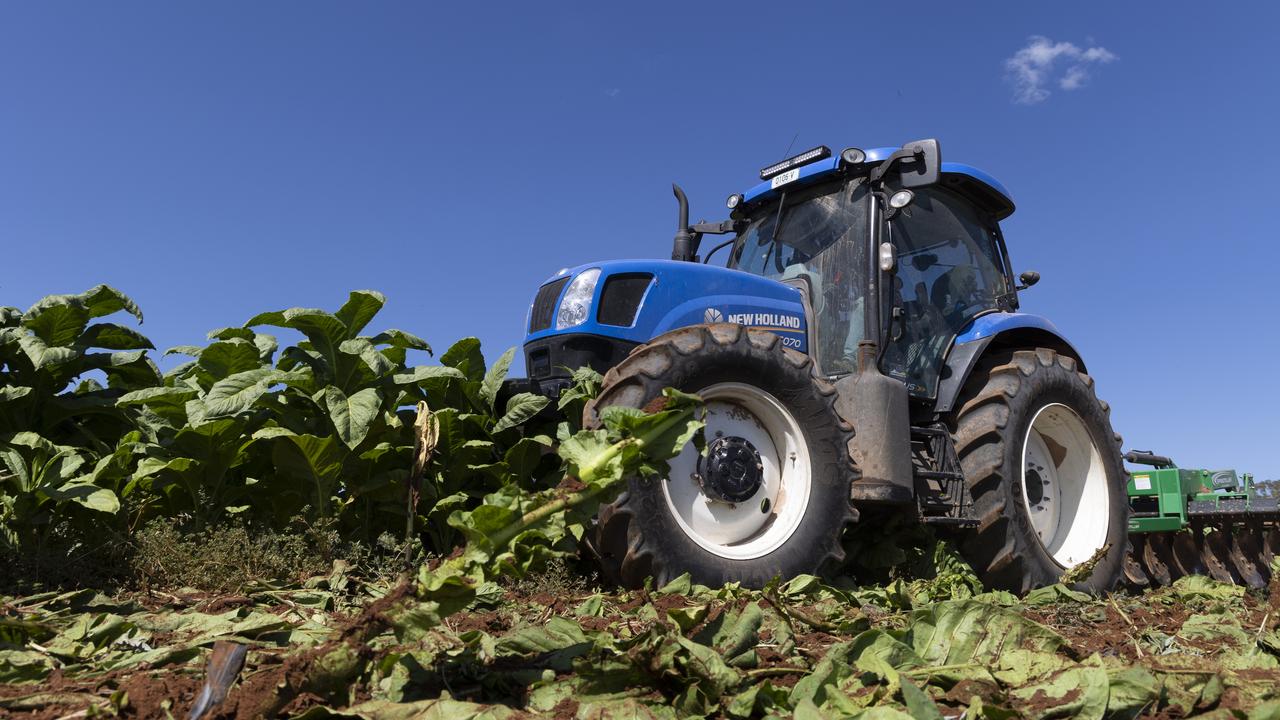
[(576, 304)]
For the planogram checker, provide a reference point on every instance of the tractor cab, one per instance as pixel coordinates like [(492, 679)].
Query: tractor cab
[(949, 265)]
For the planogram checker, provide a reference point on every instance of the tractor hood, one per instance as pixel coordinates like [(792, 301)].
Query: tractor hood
[(630, 302)]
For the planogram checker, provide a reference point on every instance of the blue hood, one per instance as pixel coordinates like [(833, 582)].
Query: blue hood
[(684, 293)]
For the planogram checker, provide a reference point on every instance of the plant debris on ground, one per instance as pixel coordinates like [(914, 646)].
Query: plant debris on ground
[(804, 648)]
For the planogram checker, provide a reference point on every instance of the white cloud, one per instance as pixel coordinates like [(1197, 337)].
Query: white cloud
[(1032, 69)]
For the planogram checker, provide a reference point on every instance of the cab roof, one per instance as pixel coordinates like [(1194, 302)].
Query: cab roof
[(980, 187)]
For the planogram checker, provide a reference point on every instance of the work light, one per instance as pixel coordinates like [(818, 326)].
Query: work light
[(808, 156)]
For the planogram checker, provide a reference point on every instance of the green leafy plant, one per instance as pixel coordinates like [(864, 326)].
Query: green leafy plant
[(60, 428)]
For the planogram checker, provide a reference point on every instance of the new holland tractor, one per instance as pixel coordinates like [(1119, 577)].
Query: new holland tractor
[(860, 353)]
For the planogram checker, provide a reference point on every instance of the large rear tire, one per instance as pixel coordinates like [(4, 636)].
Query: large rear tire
[(1044, 469), (771, 496)]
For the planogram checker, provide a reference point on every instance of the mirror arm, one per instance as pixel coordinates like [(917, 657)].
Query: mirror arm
[(720, 228), (883, 168)]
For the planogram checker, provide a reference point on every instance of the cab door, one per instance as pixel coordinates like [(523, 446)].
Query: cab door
[(949, 271)]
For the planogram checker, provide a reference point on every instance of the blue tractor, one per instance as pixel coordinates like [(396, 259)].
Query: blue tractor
[(860, 353)]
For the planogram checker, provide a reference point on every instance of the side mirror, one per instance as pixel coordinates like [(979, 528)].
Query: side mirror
[(1028, 278), (923, 166)]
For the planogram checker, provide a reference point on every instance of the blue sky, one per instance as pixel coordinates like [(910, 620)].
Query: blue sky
[(218, 159)]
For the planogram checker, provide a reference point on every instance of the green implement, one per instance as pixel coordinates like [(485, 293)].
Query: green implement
[(1209, 522)]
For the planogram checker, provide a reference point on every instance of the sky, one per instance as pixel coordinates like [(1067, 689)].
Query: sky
[(214, 160)]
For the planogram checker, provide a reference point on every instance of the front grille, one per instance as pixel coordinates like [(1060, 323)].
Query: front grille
[(620, 298), (544, 305)]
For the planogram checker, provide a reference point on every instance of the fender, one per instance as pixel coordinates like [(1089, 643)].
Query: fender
[(995, 332)]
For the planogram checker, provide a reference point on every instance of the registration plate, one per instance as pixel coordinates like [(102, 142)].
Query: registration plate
[(784, 178)]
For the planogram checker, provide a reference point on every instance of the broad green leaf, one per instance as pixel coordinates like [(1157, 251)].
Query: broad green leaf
[(324, 330), (1054, 594), (104, 300), (151, 466), (126, 370), (231, 333), (918, 702), (555, 643), (493, 379), (1192, 587), (237, 393), (372, 357), (24, 666), (352, 416), (971, 631), (427, 372), (1130, 691), (192, 350), (361, 306), (169, 397), (58, 320), (401, 339), (315, 459), (32, 440), (520, 408), (266, 345), (86, 494), (110, 336), (1078, 692), (225, 358), (522, 457), (465, 355), (435, 709), (42, 355), (10, 316)]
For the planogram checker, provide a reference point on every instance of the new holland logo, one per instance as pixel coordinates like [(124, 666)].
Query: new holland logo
[(713, 315)]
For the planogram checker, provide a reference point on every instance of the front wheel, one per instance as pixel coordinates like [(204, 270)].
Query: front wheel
[(1044, 470), (770, 495)]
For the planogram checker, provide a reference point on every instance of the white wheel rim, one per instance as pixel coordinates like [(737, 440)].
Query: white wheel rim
[(761, 524), (1064, 486)]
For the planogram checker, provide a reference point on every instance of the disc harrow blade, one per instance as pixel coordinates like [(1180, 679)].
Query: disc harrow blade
[(1247, 556), (1185, 556), (1270, 545), (1157, 559), (1135, 574), (1215, 551)]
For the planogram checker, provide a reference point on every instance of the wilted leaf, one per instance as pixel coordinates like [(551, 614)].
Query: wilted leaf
[(971, 631)]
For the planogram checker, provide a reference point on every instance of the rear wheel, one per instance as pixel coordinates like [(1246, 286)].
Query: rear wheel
[(1044, 469), (771, 494)]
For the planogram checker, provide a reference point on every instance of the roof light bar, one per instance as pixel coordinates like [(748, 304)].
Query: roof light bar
[(804, 158)]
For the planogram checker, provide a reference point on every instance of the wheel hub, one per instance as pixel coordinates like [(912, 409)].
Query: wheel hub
[(732, 470)]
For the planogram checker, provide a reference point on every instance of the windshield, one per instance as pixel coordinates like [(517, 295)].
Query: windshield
[(820, 239)]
